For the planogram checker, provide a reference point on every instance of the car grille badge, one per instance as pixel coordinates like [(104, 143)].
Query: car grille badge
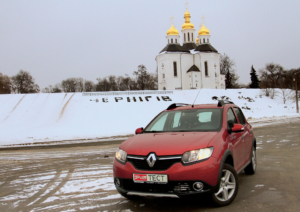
[(151, 160)]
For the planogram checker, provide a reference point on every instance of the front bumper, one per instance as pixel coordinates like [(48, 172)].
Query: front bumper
[(173, 189), (180, 179)]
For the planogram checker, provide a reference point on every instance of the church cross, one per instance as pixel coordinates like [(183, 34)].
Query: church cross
[(186, 4), (172, 19), (203, 19)]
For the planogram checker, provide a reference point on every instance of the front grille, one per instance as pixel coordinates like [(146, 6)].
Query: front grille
[(162, 163)]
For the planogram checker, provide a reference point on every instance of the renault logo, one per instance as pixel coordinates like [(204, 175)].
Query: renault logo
[(151, 160)]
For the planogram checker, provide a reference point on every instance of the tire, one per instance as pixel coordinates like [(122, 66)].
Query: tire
[(228, 187), (251, 168)]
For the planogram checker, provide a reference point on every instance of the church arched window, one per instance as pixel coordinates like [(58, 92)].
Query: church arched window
[(184, 37), (171, 40), (164, 88), (192, 37), (163, 75), (176, 40), (203, 40), (200, 41), (175, 68), (207, 40), (188, 36), (168, 40), (206, 68)]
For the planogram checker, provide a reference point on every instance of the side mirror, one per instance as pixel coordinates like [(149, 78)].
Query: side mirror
[(230, 126), (139, 130), (237, 128)]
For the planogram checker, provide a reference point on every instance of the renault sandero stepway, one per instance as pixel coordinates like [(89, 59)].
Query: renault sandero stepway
[(188, 150)]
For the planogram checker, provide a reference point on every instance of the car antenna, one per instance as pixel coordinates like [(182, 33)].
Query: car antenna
[(196, 97)]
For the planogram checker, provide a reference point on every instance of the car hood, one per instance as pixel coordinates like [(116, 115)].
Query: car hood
[(166, 143)]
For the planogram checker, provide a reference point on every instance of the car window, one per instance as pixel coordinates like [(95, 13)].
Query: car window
[(240, 115), (187, 120), (231, 117), (205, 116), (177, 116), (160, 123)]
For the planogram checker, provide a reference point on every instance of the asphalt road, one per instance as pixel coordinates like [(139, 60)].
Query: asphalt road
[(79, 178)]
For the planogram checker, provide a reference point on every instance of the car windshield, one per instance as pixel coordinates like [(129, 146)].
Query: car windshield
[(187, 121)]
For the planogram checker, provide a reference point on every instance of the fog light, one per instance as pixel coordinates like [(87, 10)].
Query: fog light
[(198, 186), (117, 182)]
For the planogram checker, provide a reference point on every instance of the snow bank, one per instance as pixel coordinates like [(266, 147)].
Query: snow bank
[(28, 118)]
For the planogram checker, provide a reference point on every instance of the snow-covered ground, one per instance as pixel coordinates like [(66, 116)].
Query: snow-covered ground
[(35, 118)]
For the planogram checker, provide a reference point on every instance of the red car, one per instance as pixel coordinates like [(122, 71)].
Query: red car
[(188, 150)]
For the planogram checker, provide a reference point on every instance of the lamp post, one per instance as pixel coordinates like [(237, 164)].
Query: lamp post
[(296, 90)]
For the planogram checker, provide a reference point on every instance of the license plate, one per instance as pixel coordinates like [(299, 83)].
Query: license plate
[(150, 178)]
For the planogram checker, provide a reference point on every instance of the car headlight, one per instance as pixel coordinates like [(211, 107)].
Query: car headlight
[(196, 155), (121, 155)]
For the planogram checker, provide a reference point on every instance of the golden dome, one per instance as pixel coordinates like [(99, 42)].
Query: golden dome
[(187, 24), (203, 31), (172, 31), (197, 40)]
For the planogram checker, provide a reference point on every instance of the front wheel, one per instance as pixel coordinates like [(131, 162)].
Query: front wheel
[(228, 187), (251, 168)]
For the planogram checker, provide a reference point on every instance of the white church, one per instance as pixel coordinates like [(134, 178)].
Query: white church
[(193, 65)]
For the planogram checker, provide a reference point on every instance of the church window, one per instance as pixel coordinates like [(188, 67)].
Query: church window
[(175, 69), (176, 40), (168, 41), (206, 68), (164, 88), (207, 40), (171, 40), (196, 85), (200, 41), (184, 37), (203, 40), (163, 75), (192, 37), (188, 36)]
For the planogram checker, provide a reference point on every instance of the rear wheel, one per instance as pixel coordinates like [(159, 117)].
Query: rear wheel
[(228, 187), (251, 168)]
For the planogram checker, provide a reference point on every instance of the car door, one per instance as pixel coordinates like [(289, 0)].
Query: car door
[(235, 139), (247, 134)]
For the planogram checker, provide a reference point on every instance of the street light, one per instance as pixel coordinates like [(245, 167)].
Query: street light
[(296, 90)]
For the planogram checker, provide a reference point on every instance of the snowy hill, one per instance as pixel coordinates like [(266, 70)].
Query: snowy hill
[(54, 117)]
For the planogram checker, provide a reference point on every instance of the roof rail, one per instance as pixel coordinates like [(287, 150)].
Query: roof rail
[(223, 102), (174, 105)]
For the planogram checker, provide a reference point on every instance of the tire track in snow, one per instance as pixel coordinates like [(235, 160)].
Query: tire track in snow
[(14, 107), (3, 191), (53, 191), (65, 106), (40, 192)]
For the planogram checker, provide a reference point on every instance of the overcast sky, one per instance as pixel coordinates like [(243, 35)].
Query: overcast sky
[(55, 39)]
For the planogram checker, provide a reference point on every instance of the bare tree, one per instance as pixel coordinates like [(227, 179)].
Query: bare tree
[(226, 68), (5, 84), (127, 83), (23, 82), (89, 86), (272, 76), (69, 85), (102, 85), (145, 80), (286, 94), (79, 84)]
